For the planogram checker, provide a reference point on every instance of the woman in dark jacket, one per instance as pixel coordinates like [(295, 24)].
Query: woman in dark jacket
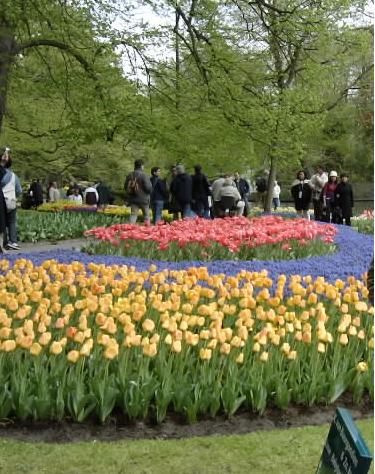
[(301, 192), (343, 200), (200, 193), (181, 189)]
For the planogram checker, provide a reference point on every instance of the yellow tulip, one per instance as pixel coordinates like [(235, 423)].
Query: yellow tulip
[(362, 367), (55, 348), (292, 355), (240, 358), (35, 349), (321, 348), (285, 348), (256, 347), (205, 354), (263, 356), (344, 339), (176, 346), (111, 351), (8, 345), (225, 348), (73, 356)]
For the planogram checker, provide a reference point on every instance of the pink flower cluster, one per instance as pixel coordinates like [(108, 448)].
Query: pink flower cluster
[(229, 232)]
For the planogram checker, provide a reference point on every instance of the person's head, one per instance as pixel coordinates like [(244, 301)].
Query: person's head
[(236, 175), (333, 176), (138, 164), (344, 177), (76, 191), (275, 184), (6, 159), (155, 171), (180, 169), (319, 169), (198, 169), (228, 182), (301, 175), (54, 184)]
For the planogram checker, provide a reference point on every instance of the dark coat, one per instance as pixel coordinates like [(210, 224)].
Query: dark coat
[(200, 187), (181, 188), (37, 193), (243, 187), (344, 199), (159, 189), (142, 196), (105, 196), (301, 201)]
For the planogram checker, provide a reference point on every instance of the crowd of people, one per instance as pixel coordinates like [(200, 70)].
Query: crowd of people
[(332, 198), (182, 194)]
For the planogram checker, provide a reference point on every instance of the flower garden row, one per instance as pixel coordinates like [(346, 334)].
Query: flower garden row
[(142, 337), (237, 237), (81, 339)]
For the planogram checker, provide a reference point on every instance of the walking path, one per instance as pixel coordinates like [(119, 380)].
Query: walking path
[(45, 246)]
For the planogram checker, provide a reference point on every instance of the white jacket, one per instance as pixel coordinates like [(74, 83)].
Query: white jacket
[(317, 183), (276, 191)]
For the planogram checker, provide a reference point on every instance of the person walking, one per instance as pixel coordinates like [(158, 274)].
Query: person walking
[(138, 189), (11, 187), (159, 194), (301, 192), (276, 196), (181, 189), (216, 186), (328, 195), (343, 200), (317, 183), (200, 193), (53, 192), (244, 189)]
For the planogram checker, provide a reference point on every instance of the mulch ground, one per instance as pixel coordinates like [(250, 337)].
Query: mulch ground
[(117, 428)]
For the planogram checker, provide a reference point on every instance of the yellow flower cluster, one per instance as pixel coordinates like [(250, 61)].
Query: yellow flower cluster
[(74, 310)]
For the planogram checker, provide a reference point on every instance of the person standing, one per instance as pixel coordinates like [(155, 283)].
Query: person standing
[(75, 197), (104, 194), (261, 184), (3, 207), (138, 189), (53, 192), (301, 192), (181, 189), (276, 196), (344, 200), (328, 194), (216, 186), (158, 196), (200, 193), (317, 183), (11, 190), (244, 189), (36, 193)]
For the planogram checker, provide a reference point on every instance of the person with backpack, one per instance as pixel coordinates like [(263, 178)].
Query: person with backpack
[(11, 189), (138, 189)]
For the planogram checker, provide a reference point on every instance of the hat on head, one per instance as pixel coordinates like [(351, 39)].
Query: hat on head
[(333, 173)]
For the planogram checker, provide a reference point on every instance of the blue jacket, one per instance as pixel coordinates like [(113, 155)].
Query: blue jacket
[(7, 177)]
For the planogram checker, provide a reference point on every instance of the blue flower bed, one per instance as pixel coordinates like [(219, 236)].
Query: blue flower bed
[(353, 257)]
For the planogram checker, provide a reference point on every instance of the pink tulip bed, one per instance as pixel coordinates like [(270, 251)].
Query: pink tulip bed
[(267, 237)]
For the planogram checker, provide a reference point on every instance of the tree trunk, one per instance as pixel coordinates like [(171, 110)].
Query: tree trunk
[(7, 51), (271, 183)]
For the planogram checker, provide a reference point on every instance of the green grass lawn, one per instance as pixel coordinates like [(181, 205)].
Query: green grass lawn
[(293, 451)]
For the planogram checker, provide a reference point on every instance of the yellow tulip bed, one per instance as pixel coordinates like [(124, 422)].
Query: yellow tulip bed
[(88, 340)]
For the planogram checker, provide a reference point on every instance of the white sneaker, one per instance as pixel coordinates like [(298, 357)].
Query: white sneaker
[(13, 245)]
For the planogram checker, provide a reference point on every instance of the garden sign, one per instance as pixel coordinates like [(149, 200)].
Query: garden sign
[(345, 451)]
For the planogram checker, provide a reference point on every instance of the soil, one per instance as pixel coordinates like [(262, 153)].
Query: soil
[(117, 428)]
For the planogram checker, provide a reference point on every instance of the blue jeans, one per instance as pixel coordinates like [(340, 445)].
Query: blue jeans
[(157, 209), (11, 232), (186, 210), (276, 203)]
